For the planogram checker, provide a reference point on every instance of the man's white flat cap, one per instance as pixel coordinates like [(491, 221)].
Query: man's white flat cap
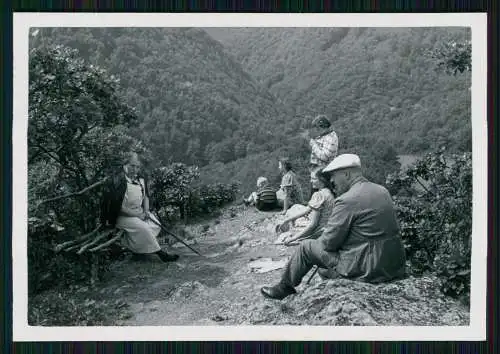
[(343, 161)]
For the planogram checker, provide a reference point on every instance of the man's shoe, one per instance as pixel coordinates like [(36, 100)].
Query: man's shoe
[(165, 257), (277, 292)]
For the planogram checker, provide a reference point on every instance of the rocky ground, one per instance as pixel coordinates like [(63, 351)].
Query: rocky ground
[(240, 256)]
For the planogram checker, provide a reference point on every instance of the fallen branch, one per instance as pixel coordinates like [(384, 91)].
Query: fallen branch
[(78, 240), (74, 247), (94, 241), (105, 244), (84, 190)]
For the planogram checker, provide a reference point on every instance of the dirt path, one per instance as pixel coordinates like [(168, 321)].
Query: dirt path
[(219, 288), (222, 288)]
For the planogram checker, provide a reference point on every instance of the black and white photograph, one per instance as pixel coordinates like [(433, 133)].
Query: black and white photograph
[(274, 179)]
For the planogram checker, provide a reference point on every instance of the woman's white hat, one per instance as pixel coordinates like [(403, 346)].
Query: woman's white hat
[(343, 161)]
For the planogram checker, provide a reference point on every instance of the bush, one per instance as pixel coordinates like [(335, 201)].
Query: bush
[(170, 190), (434, 202), (174, 194), (171, 185), (454, 57), (76, 123), (207, 198)]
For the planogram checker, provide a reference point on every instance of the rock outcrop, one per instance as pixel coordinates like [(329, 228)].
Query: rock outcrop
[(341, 302)]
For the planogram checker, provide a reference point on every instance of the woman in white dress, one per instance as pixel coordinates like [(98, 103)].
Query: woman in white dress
[(126, 206)]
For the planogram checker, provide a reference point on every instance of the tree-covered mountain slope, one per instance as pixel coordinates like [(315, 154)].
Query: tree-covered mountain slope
[(378, 82), (196, 104), (233, 100)]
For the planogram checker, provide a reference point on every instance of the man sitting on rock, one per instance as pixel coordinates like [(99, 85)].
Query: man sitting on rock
[(361, 240)]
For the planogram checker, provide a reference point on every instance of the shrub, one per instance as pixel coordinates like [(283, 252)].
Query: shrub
[(454, 57), (174, 194), (434, 202), (76, 123), (207, 198), (171, 185), (170, 189)]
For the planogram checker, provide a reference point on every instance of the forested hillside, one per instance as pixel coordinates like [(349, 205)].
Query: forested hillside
[(195, 104), (234, 108), (378, 82)]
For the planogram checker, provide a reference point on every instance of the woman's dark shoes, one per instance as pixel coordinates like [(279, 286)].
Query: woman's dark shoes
[(165, 257), (139, 257), (277, 292)]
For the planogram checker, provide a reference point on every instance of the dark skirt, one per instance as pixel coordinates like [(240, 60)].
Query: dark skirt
[(266, 206)]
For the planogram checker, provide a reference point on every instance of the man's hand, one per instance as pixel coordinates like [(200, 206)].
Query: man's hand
[(289, 240), (282, 227)]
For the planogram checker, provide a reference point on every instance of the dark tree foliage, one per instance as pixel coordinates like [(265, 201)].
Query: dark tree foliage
[(77, 123), (454, 57), (434, 200)]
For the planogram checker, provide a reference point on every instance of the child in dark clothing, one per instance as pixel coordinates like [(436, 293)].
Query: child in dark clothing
[(264, 198)]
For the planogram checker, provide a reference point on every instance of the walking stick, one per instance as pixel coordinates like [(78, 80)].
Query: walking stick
[(312, 275), (175, 236)]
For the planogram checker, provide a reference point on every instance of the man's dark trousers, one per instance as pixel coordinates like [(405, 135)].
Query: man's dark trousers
[(309, 253)]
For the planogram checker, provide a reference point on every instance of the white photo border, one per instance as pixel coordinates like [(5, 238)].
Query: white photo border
[(476, 331)]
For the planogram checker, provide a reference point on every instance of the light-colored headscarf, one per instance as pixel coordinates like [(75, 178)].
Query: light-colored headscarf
[(261, 181)]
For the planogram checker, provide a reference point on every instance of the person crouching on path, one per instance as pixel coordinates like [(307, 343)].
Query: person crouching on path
[(318, 209), (126, 207), (324, 143), (290, 191), (264, 198), (361, 240)]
